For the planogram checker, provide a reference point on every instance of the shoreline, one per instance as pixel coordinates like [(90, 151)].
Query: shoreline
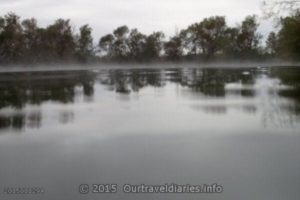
[(115, 66)]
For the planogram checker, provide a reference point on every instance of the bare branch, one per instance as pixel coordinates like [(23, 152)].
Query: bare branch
[(276, 9)]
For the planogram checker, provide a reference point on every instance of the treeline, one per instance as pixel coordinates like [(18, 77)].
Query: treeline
[(26, 42), (23, 41)]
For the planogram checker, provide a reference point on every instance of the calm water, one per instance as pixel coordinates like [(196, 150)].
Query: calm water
[(239, 128)]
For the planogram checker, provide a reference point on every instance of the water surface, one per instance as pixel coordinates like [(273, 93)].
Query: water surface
[(235, 127)]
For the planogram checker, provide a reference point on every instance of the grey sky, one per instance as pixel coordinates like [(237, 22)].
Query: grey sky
[(146, 15)]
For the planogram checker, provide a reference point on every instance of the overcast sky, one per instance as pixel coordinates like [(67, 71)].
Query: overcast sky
[(146, 15)]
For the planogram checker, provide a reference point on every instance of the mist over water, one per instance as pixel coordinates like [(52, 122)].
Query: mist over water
[(237, 126)]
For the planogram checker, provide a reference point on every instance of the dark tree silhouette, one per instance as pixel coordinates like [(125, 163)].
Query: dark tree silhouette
[(85, 44), (174, 48), (208, 40), (136, 45), (11, 38), (207, 36), (154, 45), (272, 44), (248, 38), (106, 45), (289, 37)]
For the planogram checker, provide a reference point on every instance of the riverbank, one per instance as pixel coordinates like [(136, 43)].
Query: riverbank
[(157, 65)]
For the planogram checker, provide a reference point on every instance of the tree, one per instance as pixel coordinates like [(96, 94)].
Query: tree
[(59, 41), (189, 40), (213, 35), (272, 43), (154, 45), (248, 38), (106, 45), (31, 40), (115, 46), (120, 44), (11, 38), (231, 47), (173, 48), (85, 44), (121, 32), (289, 37), (136, 45), (207, 37)]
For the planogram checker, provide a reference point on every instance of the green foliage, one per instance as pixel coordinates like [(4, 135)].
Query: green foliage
[(248, 39), (106, 44), (136, 45), (11, 39), (154, 45), (125, 44), (212, 37), (115, 46), (173, 48), (31, 39), (272, 44), (121, 32), (289, 37), (85, 44), (208, 36), (25, 42), (60, 40), (208, 40)]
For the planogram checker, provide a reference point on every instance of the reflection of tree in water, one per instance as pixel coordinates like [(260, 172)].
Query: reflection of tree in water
[(66, 117), (289, 77), (207, 82), (31, 120), (19, 121), (212, 82), (282, 106), (20, 89), (34, 120), (16, 122), (127, 81)]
